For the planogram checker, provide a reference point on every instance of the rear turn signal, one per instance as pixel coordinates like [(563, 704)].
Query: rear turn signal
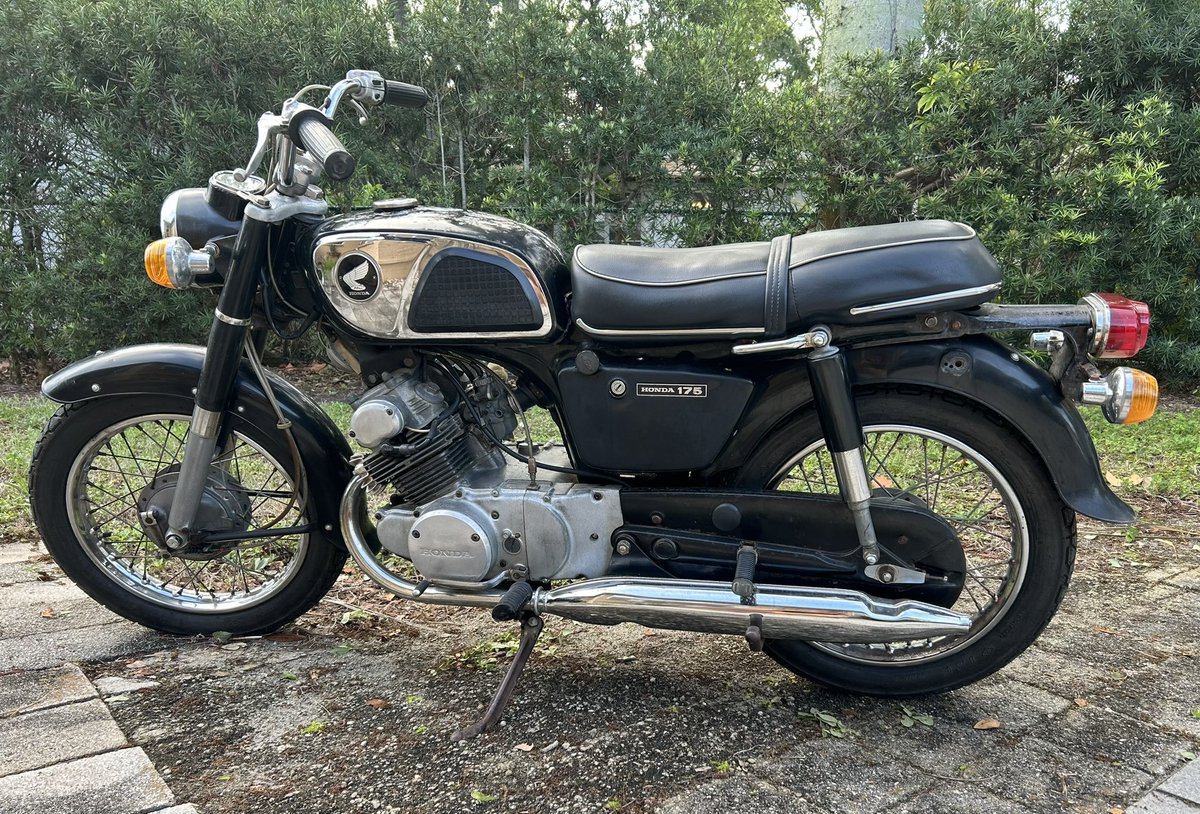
[(172, 263), (1120, 326), (1127, 396)]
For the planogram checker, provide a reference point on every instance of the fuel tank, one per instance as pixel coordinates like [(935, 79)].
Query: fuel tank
[(405, 272)]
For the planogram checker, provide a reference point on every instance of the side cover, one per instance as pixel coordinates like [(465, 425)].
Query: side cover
[(175, 369)]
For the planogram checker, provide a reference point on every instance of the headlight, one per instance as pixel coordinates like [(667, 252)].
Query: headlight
[(168, 216)]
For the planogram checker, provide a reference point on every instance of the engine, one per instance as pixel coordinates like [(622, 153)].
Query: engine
[(451, 507)]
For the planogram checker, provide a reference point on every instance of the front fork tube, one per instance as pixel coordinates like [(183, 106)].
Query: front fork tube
[(844, 439), (221, 362)]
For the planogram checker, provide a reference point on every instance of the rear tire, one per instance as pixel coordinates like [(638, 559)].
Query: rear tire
[(1050, 550), (88, 559)]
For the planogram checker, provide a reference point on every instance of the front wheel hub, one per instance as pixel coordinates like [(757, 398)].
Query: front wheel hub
[(225, 506)]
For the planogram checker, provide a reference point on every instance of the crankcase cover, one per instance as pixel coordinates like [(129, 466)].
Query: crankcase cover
[(454, 543)]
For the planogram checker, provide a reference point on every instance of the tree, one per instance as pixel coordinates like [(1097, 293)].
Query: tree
[(858, 27)]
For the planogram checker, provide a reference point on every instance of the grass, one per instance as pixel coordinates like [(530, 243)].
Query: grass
[(1160, 456), (21, 422)]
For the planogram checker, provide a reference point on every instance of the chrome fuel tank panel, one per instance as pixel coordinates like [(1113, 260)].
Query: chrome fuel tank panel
[(372, 278)]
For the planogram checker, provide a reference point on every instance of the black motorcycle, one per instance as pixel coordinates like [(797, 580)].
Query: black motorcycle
[(813, 442)]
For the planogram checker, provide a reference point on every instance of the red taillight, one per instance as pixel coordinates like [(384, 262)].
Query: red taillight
[(1120, 326)]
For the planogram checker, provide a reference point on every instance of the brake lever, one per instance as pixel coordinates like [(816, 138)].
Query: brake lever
[(269, 126)]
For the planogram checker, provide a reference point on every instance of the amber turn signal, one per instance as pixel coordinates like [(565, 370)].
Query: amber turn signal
[(173, 263), (156, 263), (1142, 389)]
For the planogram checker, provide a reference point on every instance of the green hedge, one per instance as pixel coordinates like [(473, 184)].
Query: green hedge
[(1071, 142)]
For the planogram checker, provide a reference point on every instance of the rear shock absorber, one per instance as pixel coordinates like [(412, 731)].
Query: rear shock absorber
[(844, 438)]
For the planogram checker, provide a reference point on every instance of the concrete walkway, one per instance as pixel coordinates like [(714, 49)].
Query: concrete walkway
[(61, 752)]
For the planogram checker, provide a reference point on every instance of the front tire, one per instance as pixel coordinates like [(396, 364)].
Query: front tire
[(94, 471), (915, 425)]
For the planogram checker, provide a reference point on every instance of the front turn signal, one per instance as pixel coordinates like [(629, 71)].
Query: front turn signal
[(173, 263), (1127, 396)]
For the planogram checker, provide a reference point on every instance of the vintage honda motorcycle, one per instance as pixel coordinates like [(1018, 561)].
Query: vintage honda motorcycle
[(814, 442)]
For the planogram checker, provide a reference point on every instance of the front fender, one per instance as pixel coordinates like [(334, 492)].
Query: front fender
[(175, 369), (990, 375)]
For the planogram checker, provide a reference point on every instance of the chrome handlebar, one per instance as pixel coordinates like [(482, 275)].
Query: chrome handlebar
[(360, 88)]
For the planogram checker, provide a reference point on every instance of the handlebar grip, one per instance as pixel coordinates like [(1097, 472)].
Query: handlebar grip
[(319, 140), (403, 94)]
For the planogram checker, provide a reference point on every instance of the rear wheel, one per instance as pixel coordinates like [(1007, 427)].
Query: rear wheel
[(104, 465), (975, 472)]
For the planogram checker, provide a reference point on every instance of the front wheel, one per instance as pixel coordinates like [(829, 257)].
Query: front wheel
[(979, 475), (103, 466)]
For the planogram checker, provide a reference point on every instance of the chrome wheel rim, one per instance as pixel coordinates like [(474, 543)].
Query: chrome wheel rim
[(962, 487), (119, 462)]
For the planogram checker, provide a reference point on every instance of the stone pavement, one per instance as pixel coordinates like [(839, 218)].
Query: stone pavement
[(1095, 716), (61, 752), (1180, 794)]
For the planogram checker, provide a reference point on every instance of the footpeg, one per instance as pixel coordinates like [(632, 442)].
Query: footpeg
[(743, 574), (514, 600)]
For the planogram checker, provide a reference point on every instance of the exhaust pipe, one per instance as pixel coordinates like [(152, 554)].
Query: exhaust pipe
[(701, 606), (782, 611)]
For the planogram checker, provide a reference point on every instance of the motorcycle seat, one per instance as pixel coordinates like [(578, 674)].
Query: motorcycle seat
[(771, 288)]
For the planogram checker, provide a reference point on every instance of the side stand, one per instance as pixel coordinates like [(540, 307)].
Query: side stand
[(531, 628)]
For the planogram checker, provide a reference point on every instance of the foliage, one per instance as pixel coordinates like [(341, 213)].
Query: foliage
[(1067, 133)]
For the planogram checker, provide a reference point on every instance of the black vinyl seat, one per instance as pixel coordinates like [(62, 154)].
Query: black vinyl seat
[(840, 276)]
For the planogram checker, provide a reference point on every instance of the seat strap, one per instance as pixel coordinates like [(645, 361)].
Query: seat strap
[(778, 261)]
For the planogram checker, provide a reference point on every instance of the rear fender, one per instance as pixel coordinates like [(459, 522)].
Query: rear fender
[(175, 369), (977, 369)]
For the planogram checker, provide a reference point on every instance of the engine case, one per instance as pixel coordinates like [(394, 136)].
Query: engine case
[(553, 531)]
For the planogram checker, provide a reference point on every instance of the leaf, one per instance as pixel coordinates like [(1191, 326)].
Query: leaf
[(1112, 480), (1187, 755), (288, 675), (315, 728), (49, 613), (524, 747), (378, 703), (482, 797), (221, 636), (988, 723), (342, 649), (907, 722), (1195, 713), (1081, 702)]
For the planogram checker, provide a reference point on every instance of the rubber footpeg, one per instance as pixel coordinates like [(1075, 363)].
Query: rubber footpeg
[(514, 600), (743, 573)]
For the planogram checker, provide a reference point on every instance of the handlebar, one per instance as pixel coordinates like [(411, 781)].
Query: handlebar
[(403, 94), (323, 145)]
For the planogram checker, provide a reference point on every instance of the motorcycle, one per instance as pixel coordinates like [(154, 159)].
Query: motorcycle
[(818, 442)]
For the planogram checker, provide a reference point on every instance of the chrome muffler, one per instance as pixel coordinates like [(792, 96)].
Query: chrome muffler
[(702, 606), (780, 611)]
